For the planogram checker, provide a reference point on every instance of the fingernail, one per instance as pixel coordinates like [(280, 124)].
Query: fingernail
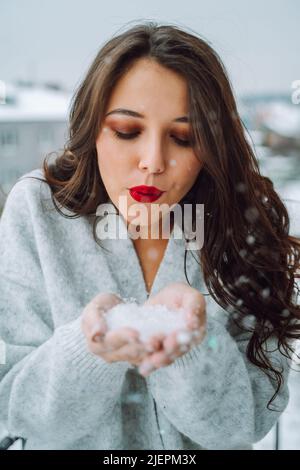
[(96, 330), (97, 338)]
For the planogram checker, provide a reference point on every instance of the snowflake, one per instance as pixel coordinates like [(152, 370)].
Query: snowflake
[(265, 292), (251, 214), (241, 187), (152, 253), (213, 343), (250, 239)]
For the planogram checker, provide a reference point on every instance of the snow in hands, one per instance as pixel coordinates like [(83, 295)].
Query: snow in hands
[(151, 320)]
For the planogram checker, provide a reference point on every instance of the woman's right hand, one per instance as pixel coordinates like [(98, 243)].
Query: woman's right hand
[(122, 344)]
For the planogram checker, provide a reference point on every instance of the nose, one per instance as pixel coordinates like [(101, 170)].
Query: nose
[(152, 159)]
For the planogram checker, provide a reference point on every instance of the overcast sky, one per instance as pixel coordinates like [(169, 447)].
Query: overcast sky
[(258, 40)]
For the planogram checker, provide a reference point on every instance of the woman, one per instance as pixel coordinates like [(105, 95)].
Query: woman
[(156, 108)]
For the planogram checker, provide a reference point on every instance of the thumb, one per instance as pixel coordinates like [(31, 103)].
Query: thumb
[(105, 301)]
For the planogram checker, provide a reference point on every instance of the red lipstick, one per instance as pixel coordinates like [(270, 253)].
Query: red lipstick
[(145, 193)]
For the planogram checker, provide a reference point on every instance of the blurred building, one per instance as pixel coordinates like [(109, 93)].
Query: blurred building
[(276, 119), (33, 122)]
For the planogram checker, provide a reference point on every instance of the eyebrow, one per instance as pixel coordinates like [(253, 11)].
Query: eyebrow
[(129, 112)]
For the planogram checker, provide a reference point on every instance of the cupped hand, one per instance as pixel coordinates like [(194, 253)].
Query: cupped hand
[(167, 348), (122, 344)]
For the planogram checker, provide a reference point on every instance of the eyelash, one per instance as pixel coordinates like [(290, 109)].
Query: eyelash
[(127, 136)]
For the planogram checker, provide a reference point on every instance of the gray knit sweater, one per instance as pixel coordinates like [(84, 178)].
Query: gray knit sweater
[(55, 394)]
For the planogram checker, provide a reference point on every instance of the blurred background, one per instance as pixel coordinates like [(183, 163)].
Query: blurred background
[(46, 48)]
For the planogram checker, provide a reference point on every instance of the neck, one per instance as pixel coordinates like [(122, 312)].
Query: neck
[(151, 234)]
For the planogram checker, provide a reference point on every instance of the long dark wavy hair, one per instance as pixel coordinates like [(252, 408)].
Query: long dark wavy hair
[(249, 260)]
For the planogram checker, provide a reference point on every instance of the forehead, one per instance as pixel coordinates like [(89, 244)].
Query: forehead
[(148, 87)]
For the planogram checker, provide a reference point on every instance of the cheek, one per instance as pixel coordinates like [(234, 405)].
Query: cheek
[(186, 173), (108, 158), (111, 158)]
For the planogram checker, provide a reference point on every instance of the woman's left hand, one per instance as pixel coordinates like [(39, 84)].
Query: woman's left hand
[(167, 348)]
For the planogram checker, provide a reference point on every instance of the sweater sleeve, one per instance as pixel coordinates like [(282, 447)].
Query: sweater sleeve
[(215, 396), (51, 386)]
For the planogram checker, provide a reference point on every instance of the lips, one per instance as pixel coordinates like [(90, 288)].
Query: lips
[(145, 193)]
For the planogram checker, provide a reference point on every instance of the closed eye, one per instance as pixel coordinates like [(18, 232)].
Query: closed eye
[(130, 136)]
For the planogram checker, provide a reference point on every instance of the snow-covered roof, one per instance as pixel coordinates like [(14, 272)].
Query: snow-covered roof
[(34, 103), (282, 118)]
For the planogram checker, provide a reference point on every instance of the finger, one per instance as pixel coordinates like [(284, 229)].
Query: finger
[(198, 335), (106, 300), (172, 302), (93, 318), (146, 368), (115, 339), (192, 320), (178, 343), (98, 330), (111, 343), (194, 306), (92, 324), (160, 359), (170, 343), (155, 342), (133, 353), (171, 295)]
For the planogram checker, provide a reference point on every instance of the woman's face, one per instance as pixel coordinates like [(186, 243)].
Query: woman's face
[(155, 154)]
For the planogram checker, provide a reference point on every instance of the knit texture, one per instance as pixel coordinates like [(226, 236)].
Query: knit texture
[(55, 394)]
